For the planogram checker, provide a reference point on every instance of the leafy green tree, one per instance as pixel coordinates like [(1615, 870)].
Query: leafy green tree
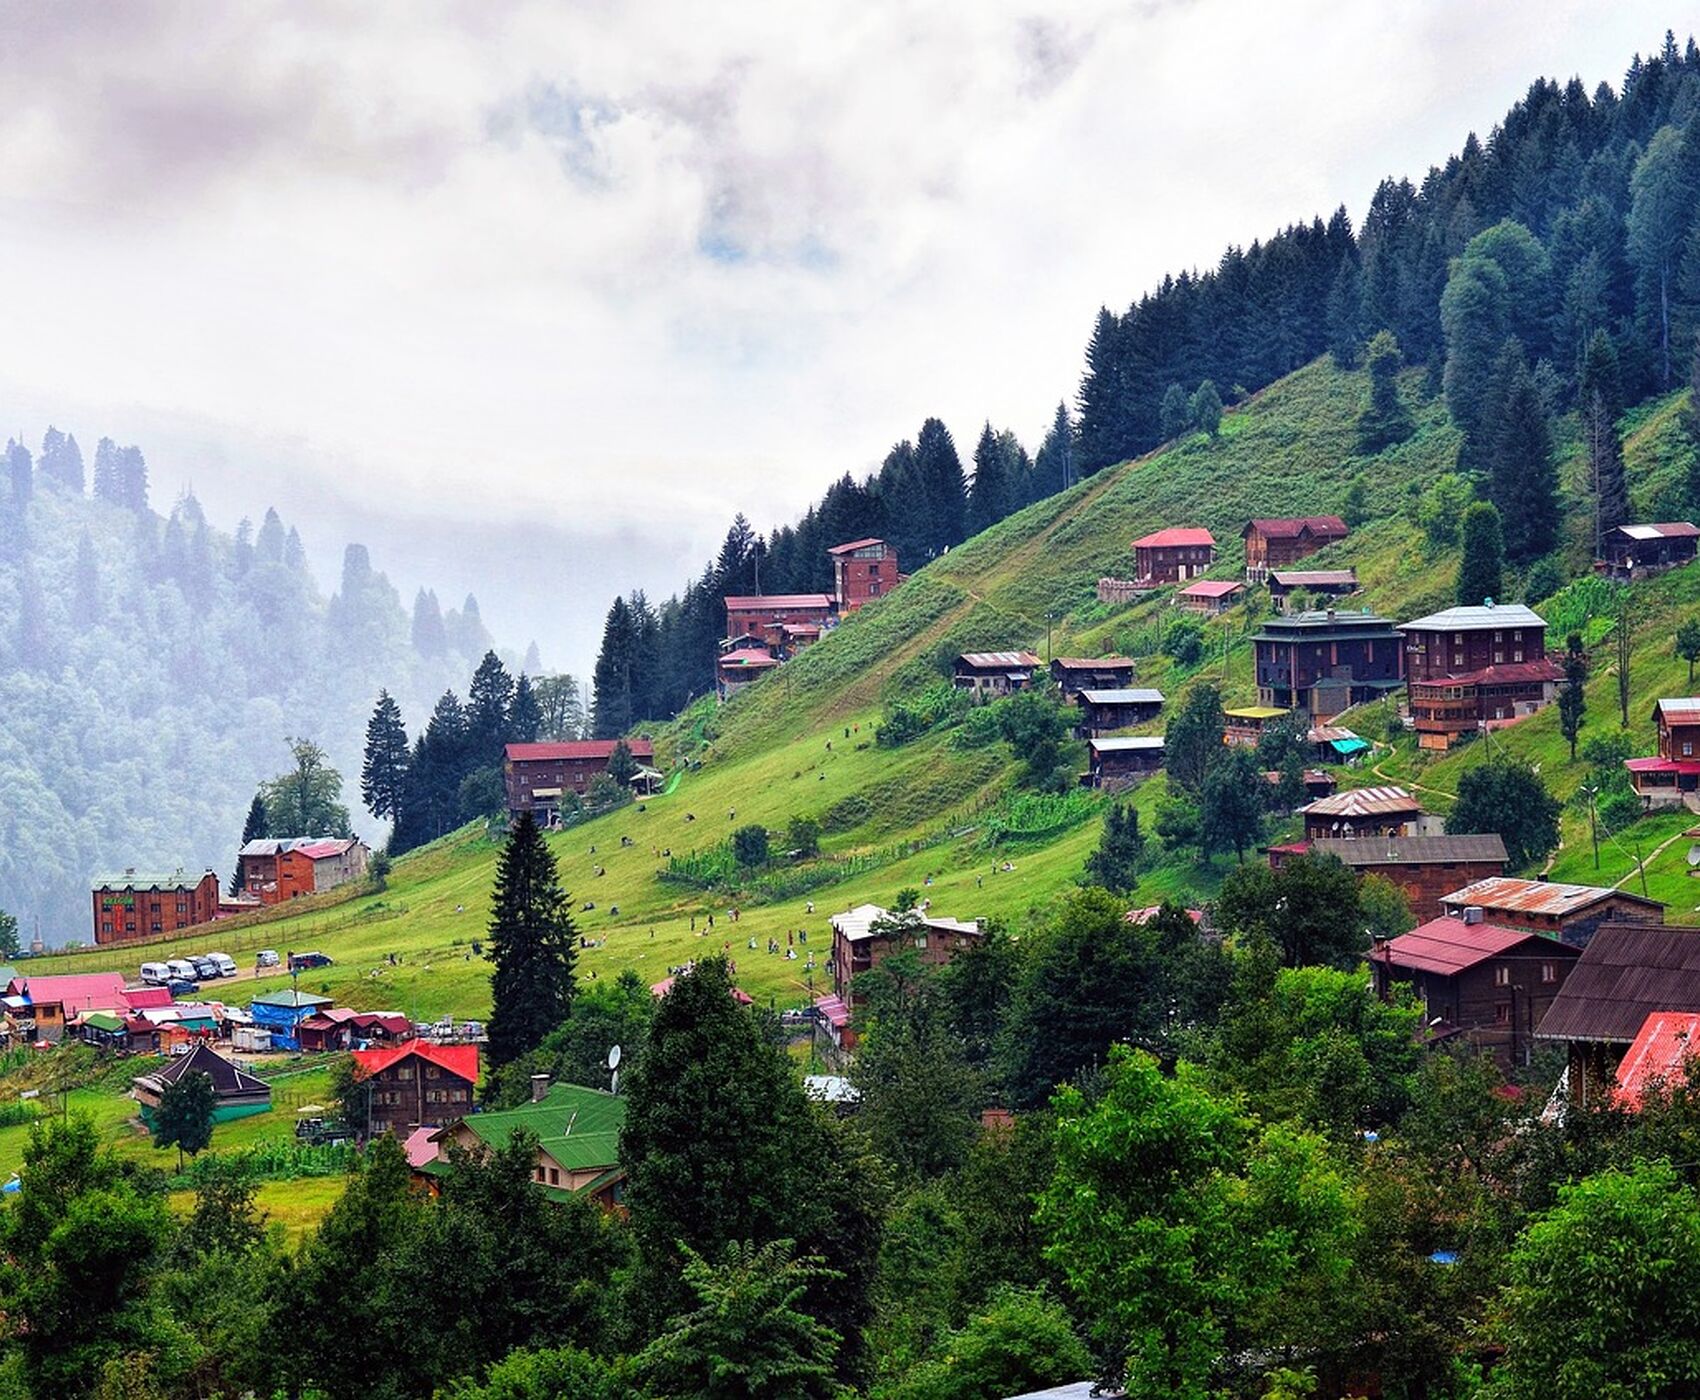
[(547, 1373), (560, 707), (1206, 409), (1694, 401), (1036, 727), (1354, 509), (1523, 481), (383, 776), (1233, 803), (1573, 699), (306, 801), (802, 835), (1481, 570), (1688, 644), (1661, 212), (1183, 639), (1192, 740), (184, 1117), (1115, 864), (1440, 509), (1589, 1309), (622, 766), (225, 1219), (1178, 824), (1508, 797), (9, 943), (1174, 417), (532, 944), (1022, 1340), (750, 845), (1308, 908), (1385, 422), (1386, 911)]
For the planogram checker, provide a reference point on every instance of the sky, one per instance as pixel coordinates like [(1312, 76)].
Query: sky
[(532, 298)]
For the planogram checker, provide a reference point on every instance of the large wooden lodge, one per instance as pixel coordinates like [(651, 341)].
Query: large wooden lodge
[(1474, 668)]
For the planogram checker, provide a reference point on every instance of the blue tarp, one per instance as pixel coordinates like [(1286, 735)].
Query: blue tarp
[(1346, 747)]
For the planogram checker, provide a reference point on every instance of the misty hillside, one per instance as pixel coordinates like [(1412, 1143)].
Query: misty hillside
[(151, 668)]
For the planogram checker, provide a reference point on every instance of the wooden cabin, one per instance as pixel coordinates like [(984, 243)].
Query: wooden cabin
[(1570, 913), (1209, 596), (1640, 551), (132, 905), (1174, 555), (744, 666), (995, 673), (1365, 813), (1328, 585), (1425, 868), (1322, 663), (1074, 674), (1104, 711), (1115, 763), (538, 775), (1272, 542), (765, 615), (1474, 668), (1668, 779), (1245, 723), (415, 1084)]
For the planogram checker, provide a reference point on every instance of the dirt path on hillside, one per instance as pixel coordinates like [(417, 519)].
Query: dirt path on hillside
[(1653, 855), (1410, 783)]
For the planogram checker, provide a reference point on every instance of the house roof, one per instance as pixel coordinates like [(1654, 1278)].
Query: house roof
[(1291, 527), (1146, 915), (1093, 663), (292, 1000), (1503, 892), (1680, 709), (1137, 744), (1354, 623), (998, 660), (748, 659), (1364, 802), (1211, 588), (1412, 850), (1667, 530), (1511, 673), (1684, 767), (77, 992), (853, 545), (665, 985), (1315, 578), (1661, 1051), (419, 1147), (1175, 535), (137, 998), (1449, 946), (858, 923), (837, 1014), (1474, 618), (578, 1127), (1625, 974), (459, 1060), (133, 880), (1122, 697), (228, 1079), (315, 847), (758, 602), (577, 749), (1255, 712), (104, 1021)]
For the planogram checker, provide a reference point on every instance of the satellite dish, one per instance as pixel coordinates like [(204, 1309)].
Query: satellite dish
[(614, 1057)]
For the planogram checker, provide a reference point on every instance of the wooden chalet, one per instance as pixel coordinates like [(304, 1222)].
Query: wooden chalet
[(1366, 812), (1272, 542), (1627, 973), (1663, 1052), (1209, 596), (995, 672), (1074, 674), (1173, 556), (578, 1140), (1114, 763), (864, 937), (538, 775), (124, 1033), (766, 615), (1474, 668), (1245, 723), (236, 1093), (862, 571), (1425, 868), (44, 1007), (1104, 711), (1487, 986), (1640, 551), (1321, 663), (1326, 584), (741, 667), (1668, 779), (276, 870), (132, 905), (1570, 913), (415, 1084)]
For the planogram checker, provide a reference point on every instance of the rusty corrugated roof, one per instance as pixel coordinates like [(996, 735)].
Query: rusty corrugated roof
[(1503, 892)]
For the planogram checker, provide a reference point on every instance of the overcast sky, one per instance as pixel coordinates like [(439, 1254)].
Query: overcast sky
[(424, 274)]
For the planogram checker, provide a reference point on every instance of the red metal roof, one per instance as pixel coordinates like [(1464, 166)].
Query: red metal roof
[(1211, 588), (138, 997), (748, 657), (77, 992), (764, 602), (1089, 663), (1662, 1049), (1175, 535), (577, 748), (321, 850), (665, 985), (1511, 673), (1449, 945), (1286, 528), (459, 1060), (854, 544), (833, 1008), (1537, 896), (1686, 768)]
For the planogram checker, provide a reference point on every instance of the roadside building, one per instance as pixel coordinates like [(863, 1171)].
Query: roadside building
[(1474, 668), (415, 1084), (1640, 551), (123, 1033), (1116, 762), (131, 905), (1662, 1054), (578, 1140), (276, 870), (47, 1005), (1103, 711), (763, 616), (1668, 779), (1074, 674), (330, 1029), (741, 667), (1570, 913), (1173, 556), (1209, 596), (539, 775), (1245, 724), (1627, 973), (282, 1013), (1425, 868), (1272, 543), (1321, 663), (1363, 813), (995, 673), (1328, 585), (862, 571), (236, 1093), (1486, 986)]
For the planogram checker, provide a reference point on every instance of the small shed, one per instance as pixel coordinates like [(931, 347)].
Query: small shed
[(1364, 812), (1102, 711), (1114, 763), (1210, 595), (1245, 724), (1639, 551)]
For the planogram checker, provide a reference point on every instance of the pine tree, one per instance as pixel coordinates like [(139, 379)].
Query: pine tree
[(1524, 484), (35, 647), (1053, 468), (132, 481), (1115, 864), (1174, 416), (1600, 397), (1661, 212), (1205, 409), (532, 944), (1385, 422), (904, 500), (61, 461), (1348, 322), (383, 775), (488, 701), (525, 715), (294, 552), (990, 500), (268, 544), (85, 600), (255, 828), (1481, 570), (20, 471), (1694, 397), (940, 472), (613, 714), (1106, 431), (106, 487), (1572, 699)]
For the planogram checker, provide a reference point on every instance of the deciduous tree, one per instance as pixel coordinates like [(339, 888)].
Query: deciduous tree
[(1507, 797)]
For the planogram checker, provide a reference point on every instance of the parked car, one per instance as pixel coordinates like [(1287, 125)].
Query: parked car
[(183, 987), (266, 957), (155, 974), (182, 970), (206, 970), (302, 962), (225, 963)]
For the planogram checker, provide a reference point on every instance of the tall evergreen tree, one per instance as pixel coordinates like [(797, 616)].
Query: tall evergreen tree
[(1205, 409), (1661, 213), (1348, 320), (990, 499), (86, 607), (525, 715), (20, 471), (1573, 699), (1106, 426), (1524, 483), (1694, 397), (532, 944), (132, 479), (61, 461), (1481, 571), (488, 700), (256, 827), (940, 471), (1054, 468), (383, 775), (106, 487), (613, 675), (1600, 397), (1174, 417), (904, 500), (1385, 422)]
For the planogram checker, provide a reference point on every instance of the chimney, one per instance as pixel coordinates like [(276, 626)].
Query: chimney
[(1472, 913), (539, 1087)]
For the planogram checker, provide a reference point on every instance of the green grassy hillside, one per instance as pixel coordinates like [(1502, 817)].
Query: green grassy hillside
[(800, 743)]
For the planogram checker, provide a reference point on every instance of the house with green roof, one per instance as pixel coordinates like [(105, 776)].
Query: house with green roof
[(578, 1140)]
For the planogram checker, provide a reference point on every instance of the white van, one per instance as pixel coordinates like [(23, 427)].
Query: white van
[(182, 971), (155, 974), (226, 964)]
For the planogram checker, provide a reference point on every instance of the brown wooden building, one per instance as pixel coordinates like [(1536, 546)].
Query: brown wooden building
[(1105, 711), (1470, 668), (1325, 584), (1626, 973), (995, 672), (1425, 868), (764, 616), (1209, 595), (1665, 781), (1270, 543), (1567, 912), (1324, 662), (1640, 551), (275, 871), (1114, 763), (741, 667), (864, 937), (862, 571), (1366, 813), (415, 1084), (1173, 555), (131, 905), (538, 775), (1074, 674), (1488, 986)]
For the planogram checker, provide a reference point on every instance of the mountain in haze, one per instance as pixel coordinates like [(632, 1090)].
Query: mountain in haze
[(152, 668)]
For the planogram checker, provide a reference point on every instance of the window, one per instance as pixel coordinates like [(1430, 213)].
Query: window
[(1687, 747), (1502, 976), (432, 1072), (1499, 636), (1549, 972), (1499, 658), (1502, 1014), (1517, 655), (554, 1176)]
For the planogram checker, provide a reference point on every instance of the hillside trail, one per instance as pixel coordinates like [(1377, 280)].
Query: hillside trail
[(1653, 855), (1410, 783)]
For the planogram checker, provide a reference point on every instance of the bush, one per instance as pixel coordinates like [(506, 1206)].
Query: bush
[(1183, 640), (802, 837), (1545, 577), (1442, 507), (750, 846)]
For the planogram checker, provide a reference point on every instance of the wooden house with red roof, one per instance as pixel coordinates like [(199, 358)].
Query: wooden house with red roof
[(415, 1084), (1322, 586), (1663, 1053), (862, 571), (1475, 668), (275, 870), (51, 1002), (1489, 985), (1209, 595), (1667, 779), (1173, 555), (1640, 551), (1273, 542), (538, 775), (741, 667), (1570, 913), (765, 616)]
